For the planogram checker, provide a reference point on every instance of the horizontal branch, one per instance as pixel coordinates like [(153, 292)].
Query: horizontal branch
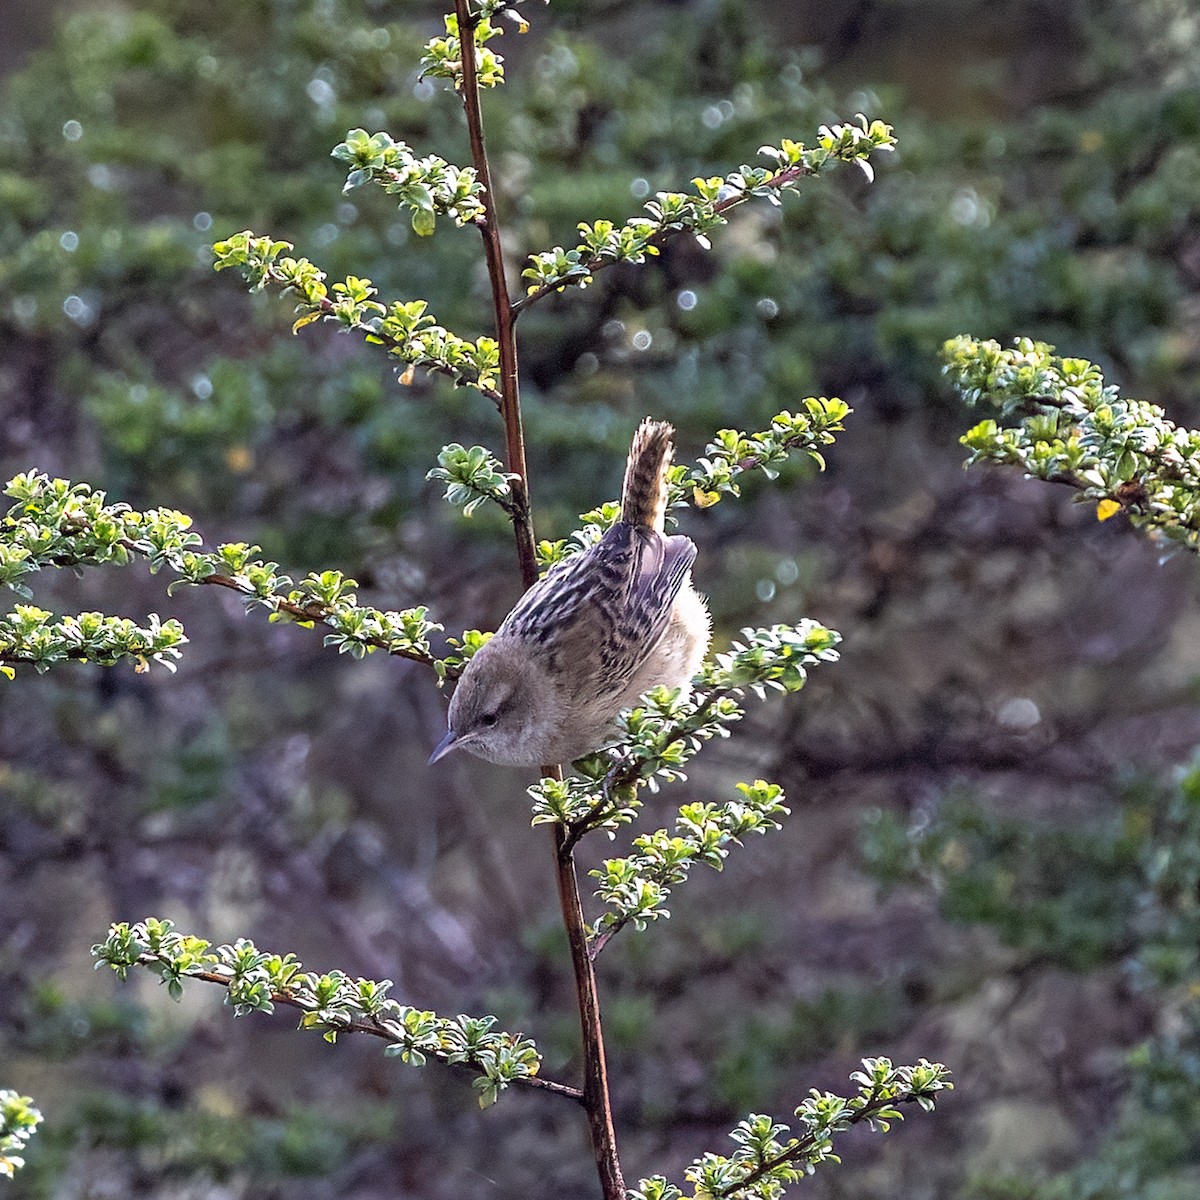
[(636, 886), (804, 1146), (673, 213), (768, 1159), (597, 262), (404, 327), (331, 1003), (33, 636), (324, 307), (374, 1028), (59, 524)]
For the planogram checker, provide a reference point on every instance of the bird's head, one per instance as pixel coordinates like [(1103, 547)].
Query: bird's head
[(504, 709)]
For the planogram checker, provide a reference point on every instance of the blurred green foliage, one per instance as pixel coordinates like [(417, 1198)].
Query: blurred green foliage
[(217, 1145), (1123, 891), (1052, 892), (58, 1027), (759, 1046), (145, 133)]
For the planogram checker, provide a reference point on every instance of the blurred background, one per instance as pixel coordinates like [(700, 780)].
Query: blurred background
[(993, 854)]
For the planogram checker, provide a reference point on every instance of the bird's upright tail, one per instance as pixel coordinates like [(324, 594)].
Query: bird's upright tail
[(644, 493)]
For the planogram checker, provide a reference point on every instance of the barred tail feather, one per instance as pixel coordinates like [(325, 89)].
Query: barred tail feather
[(644, 493)]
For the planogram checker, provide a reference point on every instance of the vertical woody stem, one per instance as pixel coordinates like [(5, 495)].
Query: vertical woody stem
[(595, 1086), (596, 1101), (506, 334)]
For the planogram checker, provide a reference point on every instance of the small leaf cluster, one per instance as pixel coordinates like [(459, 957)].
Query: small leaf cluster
[(357, 629), (18, 1123), (775, 657), (770, 1157), (595, 523), (603, 243), (462, 650), (32, 635), (726, 458), (731, 454), (656, 739), (472, 477), (443, 55), (56, 523), (427, 186), (409, 332), (333, 1003), (848, 143), (1072, 428), (636, 886)]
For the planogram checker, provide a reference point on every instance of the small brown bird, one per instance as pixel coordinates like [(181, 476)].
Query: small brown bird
[(600, 630)]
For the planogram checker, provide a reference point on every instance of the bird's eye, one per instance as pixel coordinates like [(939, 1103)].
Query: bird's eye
[(488, 720)]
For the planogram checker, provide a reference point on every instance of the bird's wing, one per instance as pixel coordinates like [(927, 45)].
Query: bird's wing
[(553, 602), (661, 568), (601, 613)]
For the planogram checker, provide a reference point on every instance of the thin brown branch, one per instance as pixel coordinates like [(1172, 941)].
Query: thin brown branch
[(599, 261), (806, 1143), (374, 1028), (601, 939), (313, 613), (628, 770), (506, 334), (596, 1100), (79, 654), (1033, 403)]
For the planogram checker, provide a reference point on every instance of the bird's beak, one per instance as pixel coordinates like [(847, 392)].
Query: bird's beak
[(444, 747)]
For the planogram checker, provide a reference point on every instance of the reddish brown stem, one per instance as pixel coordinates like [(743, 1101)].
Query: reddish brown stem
[(595, 1085), (595, 1071), (506, 334)]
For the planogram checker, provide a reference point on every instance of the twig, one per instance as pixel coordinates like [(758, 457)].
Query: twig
[(875, 1104), (314, 613), (601, 939), (327, 307), (599, 261), (375, 1028)]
